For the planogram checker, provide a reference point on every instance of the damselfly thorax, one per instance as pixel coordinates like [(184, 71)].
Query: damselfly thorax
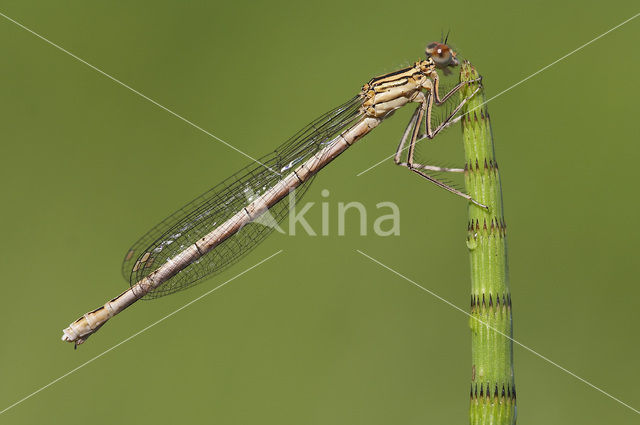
[(386, 93)]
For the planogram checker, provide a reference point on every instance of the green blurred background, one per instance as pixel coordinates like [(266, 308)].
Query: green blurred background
[(318, 334)]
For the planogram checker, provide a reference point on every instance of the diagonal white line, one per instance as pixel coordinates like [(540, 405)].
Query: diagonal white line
[(556, 61), (377, 163), (519, 82), (135, 91), (135, 334), (449, 303)]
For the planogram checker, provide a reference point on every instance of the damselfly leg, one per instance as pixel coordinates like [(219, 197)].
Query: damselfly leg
[(423, 113)]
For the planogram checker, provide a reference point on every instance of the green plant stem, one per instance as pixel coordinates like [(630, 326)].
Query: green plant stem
[(493, 396)]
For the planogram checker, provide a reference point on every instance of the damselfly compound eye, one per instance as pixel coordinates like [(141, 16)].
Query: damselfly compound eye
[(441, 54)]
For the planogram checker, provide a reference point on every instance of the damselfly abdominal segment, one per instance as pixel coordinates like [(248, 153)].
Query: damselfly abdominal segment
[(217, 228)]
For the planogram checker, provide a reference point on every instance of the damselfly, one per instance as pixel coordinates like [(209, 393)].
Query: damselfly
[(218, 228)]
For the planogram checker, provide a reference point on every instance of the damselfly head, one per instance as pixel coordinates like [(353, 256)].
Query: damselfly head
[(443, 56)]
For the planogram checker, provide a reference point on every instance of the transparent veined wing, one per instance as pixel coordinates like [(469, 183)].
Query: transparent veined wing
[(171, 236)]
